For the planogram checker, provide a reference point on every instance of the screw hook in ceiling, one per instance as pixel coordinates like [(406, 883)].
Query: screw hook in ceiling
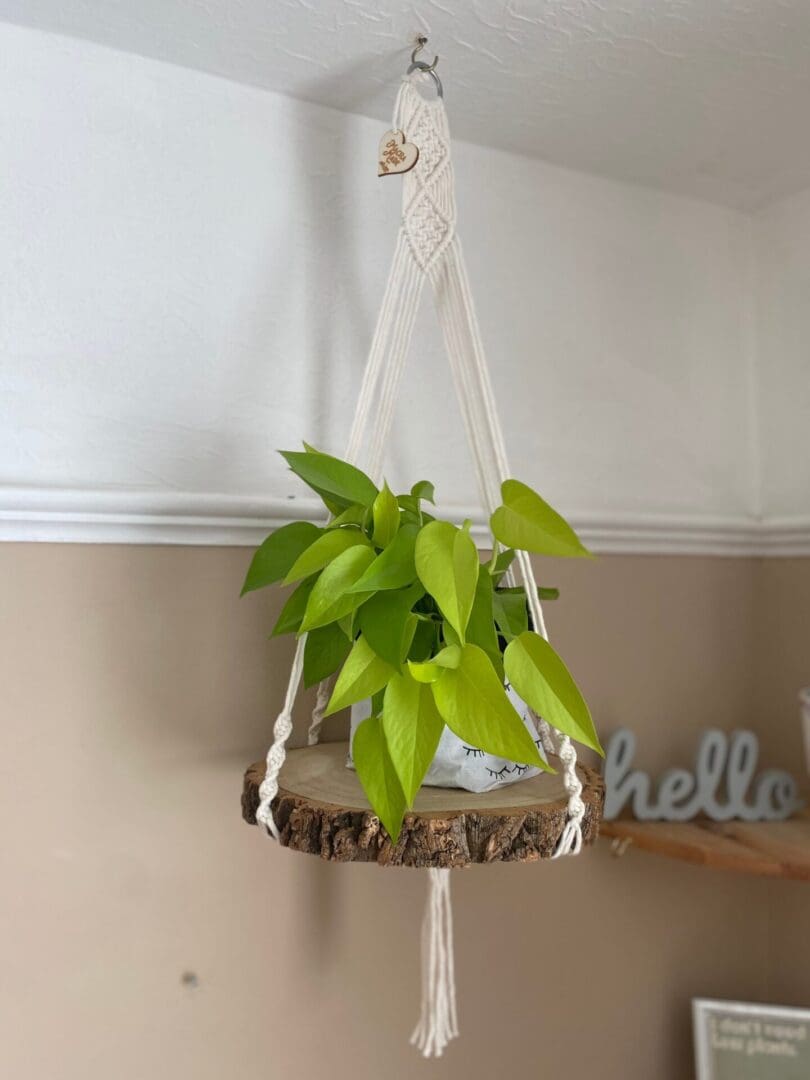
[(420, 65)]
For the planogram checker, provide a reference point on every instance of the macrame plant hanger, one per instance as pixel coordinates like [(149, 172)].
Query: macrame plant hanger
[(428, 250)]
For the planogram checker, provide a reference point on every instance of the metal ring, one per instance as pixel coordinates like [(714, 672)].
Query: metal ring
[(420, 65)]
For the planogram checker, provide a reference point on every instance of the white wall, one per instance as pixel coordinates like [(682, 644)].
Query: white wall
[(783, 262), (192, 269)]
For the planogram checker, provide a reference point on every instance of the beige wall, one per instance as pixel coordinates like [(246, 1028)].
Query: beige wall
[(783, 658), (137, 686)]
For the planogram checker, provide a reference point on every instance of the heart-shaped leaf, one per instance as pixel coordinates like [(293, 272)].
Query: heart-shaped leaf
[(447, 565), (503, 561), (330, 599), (393, 568), (545, 683), (510, 612), (279, 551), (385, 517), (352, 515), (527, 522), (473, 703), (323, 551), (423, 489), (412, 727), (387, 623), (332, 477), (378, 776), (325, 649), (481, 627), (429, 671), (425, 639), (363, 674), (289, 621)]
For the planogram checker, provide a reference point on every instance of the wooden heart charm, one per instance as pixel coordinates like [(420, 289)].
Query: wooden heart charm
[(396, 155)]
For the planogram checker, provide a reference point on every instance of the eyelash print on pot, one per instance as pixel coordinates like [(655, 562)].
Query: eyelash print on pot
[(498, 774), (473, 751)]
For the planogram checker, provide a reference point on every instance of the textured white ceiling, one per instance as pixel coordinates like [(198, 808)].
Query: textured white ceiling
[(705, 97)]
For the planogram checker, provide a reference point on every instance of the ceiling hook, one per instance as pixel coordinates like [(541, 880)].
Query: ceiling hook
[(421, 42), (428, 69)]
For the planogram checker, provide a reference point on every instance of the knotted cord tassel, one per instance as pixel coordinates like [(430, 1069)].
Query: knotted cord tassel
[(570, 843), (438, 1023)]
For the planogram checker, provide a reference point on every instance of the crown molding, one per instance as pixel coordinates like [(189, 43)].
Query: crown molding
[(116, 516)]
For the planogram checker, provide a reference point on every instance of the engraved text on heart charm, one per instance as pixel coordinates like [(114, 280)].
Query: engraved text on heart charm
[(396, 155)]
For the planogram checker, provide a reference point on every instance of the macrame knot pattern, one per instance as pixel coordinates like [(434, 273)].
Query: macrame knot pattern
[(428, 203)]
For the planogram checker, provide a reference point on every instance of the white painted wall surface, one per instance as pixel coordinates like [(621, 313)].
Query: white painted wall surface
[(783, 262), (191, 273)]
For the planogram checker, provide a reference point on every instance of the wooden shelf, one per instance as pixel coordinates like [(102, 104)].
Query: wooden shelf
[(321, 809), (777, 849)]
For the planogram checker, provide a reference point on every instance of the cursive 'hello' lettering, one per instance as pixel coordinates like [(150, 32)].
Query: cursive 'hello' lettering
[(719, 787)]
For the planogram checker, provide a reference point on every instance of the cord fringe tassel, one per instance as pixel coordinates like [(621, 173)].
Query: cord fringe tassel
[(438, 1023)]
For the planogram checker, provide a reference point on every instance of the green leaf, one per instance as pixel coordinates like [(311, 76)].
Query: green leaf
[(425, 639), (431, 670), (330, 476), (363, 674), (541, 678), (292, 613), (387, 623), (503, 561), (543, 593), (447, 565), (378, 776), (278, 552), (330, 599), (481, 627), (527, 522), (325, 549), (412, 727), (325, 649), (352, 515), (473, 703), (393, 568), (510, 612), (423, 489), (386, 517), (410, 504)]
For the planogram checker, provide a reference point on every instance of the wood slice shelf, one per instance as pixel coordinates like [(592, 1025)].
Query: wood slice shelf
[(776, 849), (321, 809)]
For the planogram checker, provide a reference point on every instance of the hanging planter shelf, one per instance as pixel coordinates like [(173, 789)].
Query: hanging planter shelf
[(374, 551), (321, 809)]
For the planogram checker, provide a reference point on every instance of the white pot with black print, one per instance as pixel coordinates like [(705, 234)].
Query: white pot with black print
[(459, 765)]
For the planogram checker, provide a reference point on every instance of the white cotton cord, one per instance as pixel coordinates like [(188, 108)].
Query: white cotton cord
[(448, 320), (400, 340), (570, 843), (457, 315), (268, 789), (282, 728), (377, 351), (438, 1021), (544, 731)]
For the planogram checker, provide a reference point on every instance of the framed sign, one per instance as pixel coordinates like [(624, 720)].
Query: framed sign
[(738, 1041)]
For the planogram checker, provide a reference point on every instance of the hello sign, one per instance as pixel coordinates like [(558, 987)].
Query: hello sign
[(722, 786)]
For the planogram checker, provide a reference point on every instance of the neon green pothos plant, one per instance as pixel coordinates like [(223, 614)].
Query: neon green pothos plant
[(400, 603)]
